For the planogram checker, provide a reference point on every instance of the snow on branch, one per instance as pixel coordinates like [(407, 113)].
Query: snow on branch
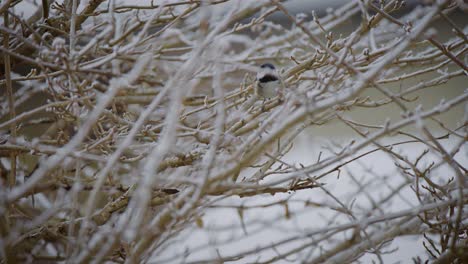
[(233, 131)]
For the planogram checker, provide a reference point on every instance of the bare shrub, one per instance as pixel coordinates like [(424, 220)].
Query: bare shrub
[(132, 133)]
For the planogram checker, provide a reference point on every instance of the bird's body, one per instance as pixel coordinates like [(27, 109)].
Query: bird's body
[(268, 84), (267, 89)]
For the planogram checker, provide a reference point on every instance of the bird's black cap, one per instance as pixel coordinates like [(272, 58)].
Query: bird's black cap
[(267, 65)]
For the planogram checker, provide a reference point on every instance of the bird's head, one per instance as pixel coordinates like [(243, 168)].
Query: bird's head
[(267, 73)]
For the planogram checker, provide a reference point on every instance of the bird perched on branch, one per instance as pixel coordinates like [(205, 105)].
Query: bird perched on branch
[(268, 84)]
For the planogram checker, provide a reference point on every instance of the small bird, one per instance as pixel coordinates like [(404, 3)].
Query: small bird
[(268, 84)]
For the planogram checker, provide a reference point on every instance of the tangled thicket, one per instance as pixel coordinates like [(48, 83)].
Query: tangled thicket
[(123, 128)]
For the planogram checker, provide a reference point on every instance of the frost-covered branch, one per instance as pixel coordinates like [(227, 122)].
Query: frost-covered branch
[(133, 133)]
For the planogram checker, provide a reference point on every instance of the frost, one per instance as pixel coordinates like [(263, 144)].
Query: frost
[(301, 17), (417, 116), (58, 43), (153, 125)]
